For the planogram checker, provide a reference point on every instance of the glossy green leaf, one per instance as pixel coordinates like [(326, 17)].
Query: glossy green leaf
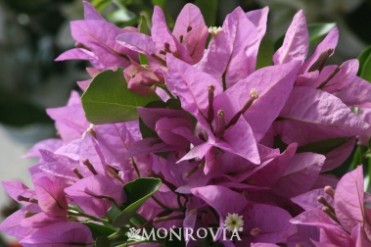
[(108, 99), (137, 193), (209, 10), (365, 64)]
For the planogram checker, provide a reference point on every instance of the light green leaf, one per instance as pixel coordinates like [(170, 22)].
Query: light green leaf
[(108, 99), (100, 5), (137, 193)]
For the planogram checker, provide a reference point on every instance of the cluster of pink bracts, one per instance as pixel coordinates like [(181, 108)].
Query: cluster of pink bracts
[(243, 142)]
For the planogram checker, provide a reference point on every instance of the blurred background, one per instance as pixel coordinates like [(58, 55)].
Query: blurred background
[(33, 33)]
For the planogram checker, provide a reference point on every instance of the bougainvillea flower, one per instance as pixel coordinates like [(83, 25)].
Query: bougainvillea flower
[(258, 218), (225, 145), (96, 42), (187, 40), (95, 194), (344, 219), (60, 234), (232, 53), (70, 120), (315, 116)]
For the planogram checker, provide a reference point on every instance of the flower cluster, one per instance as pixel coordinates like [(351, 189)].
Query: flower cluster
[(233, 145)]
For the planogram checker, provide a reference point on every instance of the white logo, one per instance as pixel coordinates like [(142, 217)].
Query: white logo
[(133, 235), (232, 226)]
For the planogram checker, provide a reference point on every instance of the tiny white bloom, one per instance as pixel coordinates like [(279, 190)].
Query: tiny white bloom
[(233, 222), (214, 30)]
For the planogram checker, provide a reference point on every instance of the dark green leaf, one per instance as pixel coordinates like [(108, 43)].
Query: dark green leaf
[(99, 230), (265, 54), (113, 212), (138, 220), (144, 129), (102, 242), (108, 99), (137, 193), (209, 9), (365, 64), (323, 147)]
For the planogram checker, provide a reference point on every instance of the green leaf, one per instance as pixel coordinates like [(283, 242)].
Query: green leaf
[(144, 27), (137, 193), (144, 24), (99, 230), (145, 130), (209, 9), (108, 99), (102, 242), (317, 31), (113, 212), (265, 54), (161, 3), (365, 64), (100, 5), (170, 104), (323, 147), (138, 221)]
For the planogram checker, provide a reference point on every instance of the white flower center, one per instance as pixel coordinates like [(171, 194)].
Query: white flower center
[(233, 222), (214, 30)]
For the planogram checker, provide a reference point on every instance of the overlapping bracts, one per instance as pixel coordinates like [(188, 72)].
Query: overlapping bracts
[(239, 140)]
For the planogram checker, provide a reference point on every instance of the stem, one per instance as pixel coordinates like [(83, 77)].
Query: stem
[(136, 167), (134, 243), (82, 214), (115, 235), (168, 217), (164, 206)]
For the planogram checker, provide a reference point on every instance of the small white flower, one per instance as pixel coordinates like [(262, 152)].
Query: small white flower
[(214, 30), (233, 222)]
